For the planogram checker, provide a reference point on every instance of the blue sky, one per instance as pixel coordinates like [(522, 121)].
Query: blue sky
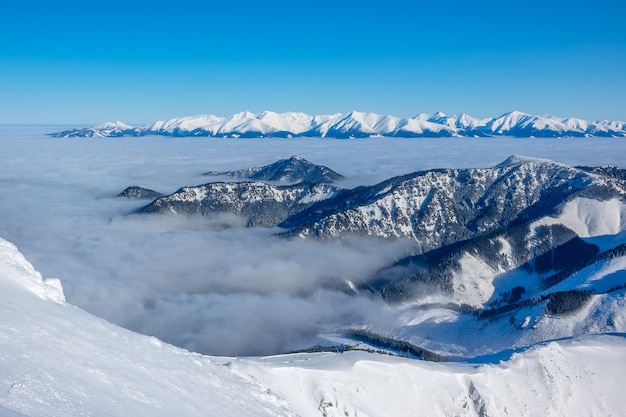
[(90, 62)]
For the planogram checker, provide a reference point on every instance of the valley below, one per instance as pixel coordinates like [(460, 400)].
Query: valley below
[(312, 276)]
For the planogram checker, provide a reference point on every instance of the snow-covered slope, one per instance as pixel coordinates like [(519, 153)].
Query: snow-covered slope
[(357, 125), (484, 231), (57, 360), (18, 275), (553, 379), (591, 218), (259, 203), (522, 124)]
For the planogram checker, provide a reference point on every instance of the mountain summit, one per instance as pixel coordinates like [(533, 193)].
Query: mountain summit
[(294, 169)]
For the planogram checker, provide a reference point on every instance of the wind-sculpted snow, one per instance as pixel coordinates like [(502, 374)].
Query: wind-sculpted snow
[(358, 125), (18, 274), (58, 360), (552, 379)]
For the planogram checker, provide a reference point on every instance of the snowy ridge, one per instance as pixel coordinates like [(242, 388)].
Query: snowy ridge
[(435, 208), (358, 125), (540, 208), (439, 207), (259, 203)]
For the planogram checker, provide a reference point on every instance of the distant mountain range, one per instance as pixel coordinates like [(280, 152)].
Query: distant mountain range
[(358, 125)]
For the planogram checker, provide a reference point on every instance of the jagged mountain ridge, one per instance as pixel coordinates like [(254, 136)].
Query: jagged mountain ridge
[(440, 207), (481, 218), (358, 125), (435, 208), (294, 169)]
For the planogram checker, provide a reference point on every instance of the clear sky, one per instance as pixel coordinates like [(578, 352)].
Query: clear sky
[(94, 61)]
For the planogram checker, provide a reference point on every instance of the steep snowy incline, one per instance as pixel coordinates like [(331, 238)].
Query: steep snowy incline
[(57, 360)]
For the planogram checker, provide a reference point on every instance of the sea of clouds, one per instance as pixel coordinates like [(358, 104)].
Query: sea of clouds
[(209, 284)]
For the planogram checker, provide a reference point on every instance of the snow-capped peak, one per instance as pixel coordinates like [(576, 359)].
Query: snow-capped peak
[(515, 160), (113, 125)]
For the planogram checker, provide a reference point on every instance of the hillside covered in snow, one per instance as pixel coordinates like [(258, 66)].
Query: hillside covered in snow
[(358, 125)]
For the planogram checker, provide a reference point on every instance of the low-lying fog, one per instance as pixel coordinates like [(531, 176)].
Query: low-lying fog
[(191, 282)]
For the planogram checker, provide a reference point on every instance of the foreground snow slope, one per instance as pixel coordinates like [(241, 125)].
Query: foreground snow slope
[(579, 377), (57, 360)]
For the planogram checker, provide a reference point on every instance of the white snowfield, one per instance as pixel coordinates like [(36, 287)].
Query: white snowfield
[(57, 360), (591, 218)]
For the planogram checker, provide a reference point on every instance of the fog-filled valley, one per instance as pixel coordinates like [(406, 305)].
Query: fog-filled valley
[(311, 276), (207, 283)]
